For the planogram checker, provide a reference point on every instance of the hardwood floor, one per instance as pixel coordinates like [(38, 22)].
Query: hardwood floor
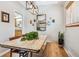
[(52, 49)]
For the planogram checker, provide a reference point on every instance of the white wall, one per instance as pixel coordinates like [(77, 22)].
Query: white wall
[(8, 29), (55, 11), (72, 41), (27, 26)]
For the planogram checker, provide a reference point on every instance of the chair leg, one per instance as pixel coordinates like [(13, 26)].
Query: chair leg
[(23, 54), (10, 52), (26, 54)]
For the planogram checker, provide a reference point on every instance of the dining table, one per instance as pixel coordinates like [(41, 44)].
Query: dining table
[(30, 45)]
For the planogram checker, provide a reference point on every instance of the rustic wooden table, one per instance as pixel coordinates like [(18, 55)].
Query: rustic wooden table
[(31, 45)]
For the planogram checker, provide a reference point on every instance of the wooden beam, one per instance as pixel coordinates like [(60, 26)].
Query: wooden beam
[(69, 4)]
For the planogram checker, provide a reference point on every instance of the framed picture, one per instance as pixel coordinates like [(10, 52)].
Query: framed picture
[(5, 17), (41, 22), (30, 21)]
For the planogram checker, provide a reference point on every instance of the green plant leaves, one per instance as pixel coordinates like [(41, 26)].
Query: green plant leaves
[(30, 36)]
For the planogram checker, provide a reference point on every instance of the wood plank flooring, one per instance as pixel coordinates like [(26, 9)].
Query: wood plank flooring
[(52, 49)]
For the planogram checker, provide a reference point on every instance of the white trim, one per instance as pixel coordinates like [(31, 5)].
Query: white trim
[(68, 53), (1, 54)]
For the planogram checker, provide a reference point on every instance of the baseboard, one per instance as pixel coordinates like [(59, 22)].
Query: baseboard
[(1, 54), (68, 52)]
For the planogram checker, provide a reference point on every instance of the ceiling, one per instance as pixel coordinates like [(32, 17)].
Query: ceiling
[(39, 3), (45, 2), (48, 2)]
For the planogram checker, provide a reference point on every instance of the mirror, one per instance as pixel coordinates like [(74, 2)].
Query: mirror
[(18, 21)]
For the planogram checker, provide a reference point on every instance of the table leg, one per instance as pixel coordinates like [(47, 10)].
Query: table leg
[(30, 54), (10, 52)]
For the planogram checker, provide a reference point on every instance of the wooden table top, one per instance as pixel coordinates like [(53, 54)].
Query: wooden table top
[(32, 44)]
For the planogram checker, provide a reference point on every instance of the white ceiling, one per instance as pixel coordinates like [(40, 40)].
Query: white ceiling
[(48, 2), (39, 3), (23, 3), (45, 2)]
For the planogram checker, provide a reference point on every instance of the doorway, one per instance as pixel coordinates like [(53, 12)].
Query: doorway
[(18, 24)]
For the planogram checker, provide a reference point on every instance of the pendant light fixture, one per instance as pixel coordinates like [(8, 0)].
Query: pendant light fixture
[(30, 5)]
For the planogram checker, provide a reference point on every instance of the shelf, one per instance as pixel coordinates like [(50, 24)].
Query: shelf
[(42, 27), (73, 25), (43, 23)]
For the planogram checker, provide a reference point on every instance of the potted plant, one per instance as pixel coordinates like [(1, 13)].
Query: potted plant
[(30, 36), (61, 39)]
